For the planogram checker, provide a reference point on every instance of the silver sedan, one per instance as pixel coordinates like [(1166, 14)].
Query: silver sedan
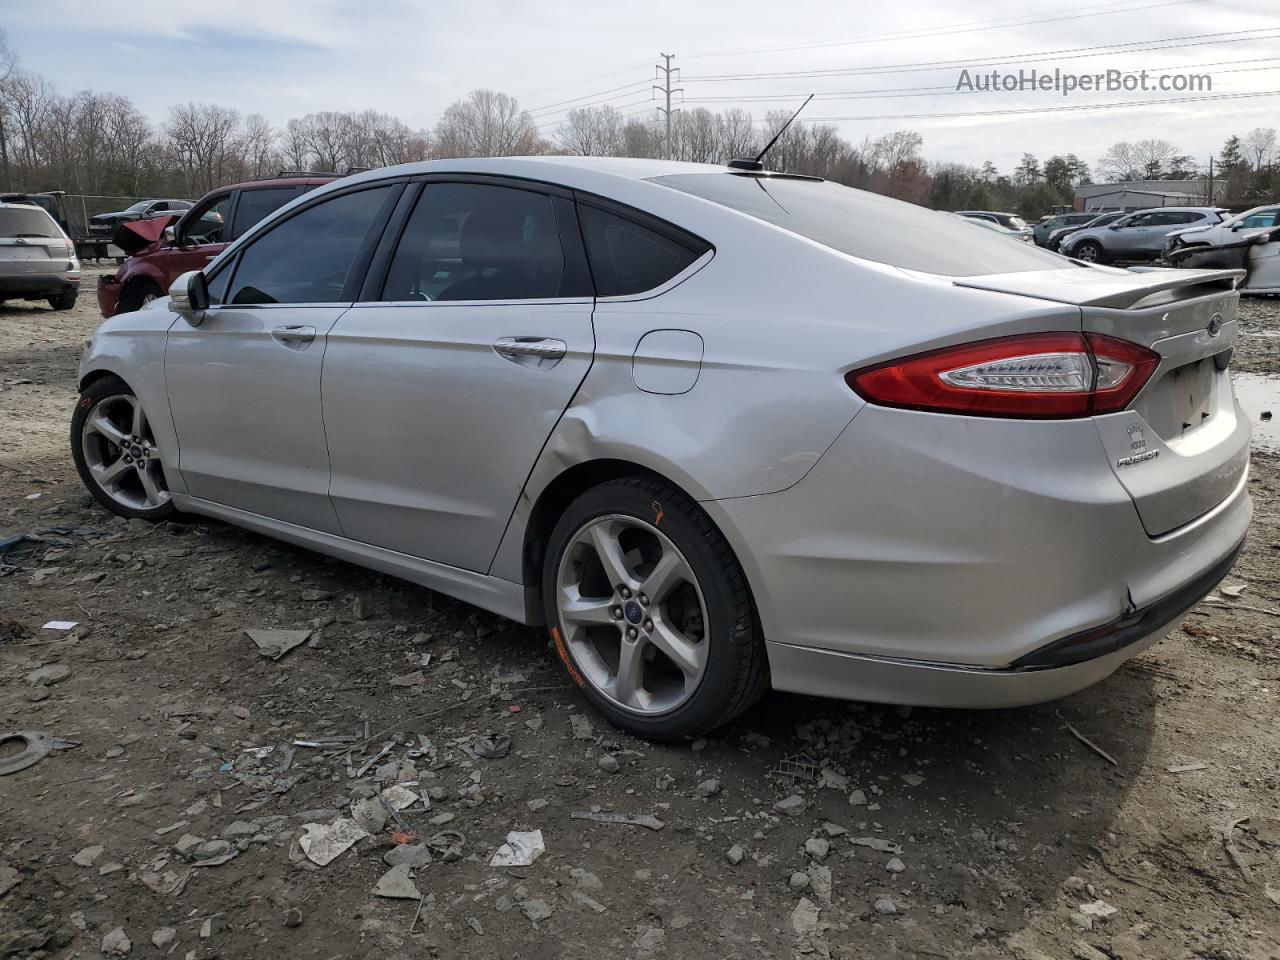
[(706, 425)]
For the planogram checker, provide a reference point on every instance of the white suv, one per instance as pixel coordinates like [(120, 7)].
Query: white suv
[(1234, 229), (37, 260)]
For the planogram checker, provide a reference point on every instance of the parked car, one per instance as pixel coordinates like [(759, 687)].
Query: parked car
[(106, 224), (1137, 236), (939, 469), (1257, 252), (1230, 230), (1046, 226), (980, 223), (37, 259), (1054, 242), (158, 254), (1009, 221)]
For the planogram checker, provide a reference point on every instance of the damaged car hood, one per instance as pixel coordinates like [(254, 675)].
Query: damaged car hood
[(136, 235)]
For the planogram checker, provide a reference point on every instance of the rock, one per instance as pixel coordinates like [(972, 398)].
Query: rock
[(163, 937), (791, 806), (707, 788), (609, 763), (370, 814), (413, 854), (536, 910), (116, 943), (820, 882), (293, 917), (699, 745), (886, 907), (651, 939), (415, 679), (1082, 951), (798, 881), (38, 694), (804, 918), (833, 780), (315, 596), (238, 829), (206, 929), (912, 779), (895, 865), (212, 850), (397, 884), (536, 804), (585, 879), (735, 854), (1098, 909), (9, 878), (87, 856), (187, 844), (817, 847), (49, 675), (581, 727), (858, 798), (833, 829)]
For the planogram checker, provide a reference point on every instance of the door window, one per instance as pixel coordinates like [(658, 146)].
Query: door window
[(207, 223), (472, 241), (308, 257), (256, 204), (627, 257)]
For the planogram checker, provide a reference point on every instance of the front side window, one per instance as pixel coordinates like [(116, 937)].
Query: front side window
[(256, 204), (628, 258), (471, 241), (208, 223), (308, 257), (1265, 218)]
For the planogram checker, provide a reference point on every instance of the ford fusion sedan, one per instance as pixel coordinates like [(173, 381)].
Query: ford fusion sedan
[(1138, 236), (719, 430)]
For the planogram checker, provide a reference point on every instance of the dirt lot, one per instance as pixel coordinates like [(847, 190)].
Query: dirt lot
[(921, 833)]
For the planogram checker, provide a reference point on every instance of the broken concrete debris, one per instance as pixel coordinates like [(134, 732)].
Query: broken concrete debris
[(276, 643), (397, 884), (520, 850), (323, 843)]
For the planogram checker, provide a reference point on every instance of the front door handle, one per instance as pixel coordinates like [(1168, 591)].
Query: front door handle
[(296, 336), (541, 353)]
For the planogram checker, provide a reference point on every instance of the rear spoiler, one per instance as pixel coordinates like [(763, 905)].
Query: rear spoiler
[(1117, 289)]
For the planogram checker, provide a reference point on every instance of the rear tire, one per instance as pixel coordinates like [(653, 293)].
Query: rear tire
[(669, 666), (63, 301), (138, 294)]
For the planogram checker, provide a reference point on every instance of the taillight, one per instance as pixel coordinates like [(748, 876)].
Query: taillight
[(1035, 376)]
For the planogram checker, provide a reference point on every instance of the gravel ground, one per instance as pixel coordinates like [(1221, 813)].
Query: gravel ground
[(808, 827)]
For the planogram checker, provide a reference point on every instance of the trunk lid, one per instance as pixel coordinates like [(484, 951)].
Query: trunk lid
[(1182, 446)]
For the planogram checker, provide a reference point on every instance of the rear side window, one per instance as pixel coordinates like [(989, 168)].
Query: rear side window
[(472, 241), (628, 258), (27, 222), (308, 258), (256, 204), (867, 225)]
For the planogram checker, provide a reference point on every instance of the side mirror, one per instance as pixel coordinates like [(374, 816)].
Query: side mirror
[(1114, 226), (189, 297), (170, 235), (1236, 226)]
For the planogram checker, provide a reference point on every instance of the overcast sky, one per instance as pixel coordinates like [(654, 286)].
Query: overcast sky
[(412, 59)]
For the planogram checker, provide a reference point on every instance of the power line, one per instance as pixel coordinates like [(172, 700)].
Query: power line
[(555, 124), (547, 107), (666, 89), (1069, 53), (973, 26)]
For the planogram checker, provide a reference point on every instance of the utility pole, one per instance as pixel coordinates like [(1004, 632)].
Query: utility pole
[(1210, 200), (667, 90)]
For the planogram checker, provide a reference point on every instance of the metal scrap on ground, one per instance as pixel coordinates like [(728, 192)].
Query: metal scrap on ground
[(644, 820)]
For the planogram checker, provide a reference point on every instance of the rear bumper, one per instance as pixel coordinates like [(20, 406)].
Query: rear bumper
[(37, 286), (935, 560)]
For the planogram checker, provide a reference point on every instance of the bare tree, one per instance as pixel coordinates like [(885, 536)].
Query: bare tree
[(1259, 146), (1120, 162), (203, 140), (486, 124), (592, 132), (257, 145)]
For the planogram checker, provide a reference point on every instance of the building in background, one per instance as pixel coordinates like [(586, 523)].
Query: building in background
[(1141, 194)]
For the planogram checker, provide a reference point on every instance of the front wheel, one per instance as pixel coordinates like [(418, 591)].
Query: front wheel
[(1090, 251), (138, 294), (650, 611), (116, 454)]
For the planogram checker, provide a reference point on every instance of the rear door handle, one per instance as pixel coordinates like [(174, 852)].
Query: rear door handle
[(541, 353), (296, 336)]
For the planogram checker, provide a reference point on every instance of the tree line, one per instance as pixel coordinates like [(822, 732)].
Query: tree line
[(101, 144)]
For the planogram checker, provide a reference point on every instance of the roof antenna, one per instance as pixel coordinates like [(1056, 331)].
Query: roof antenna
[(742, 163)]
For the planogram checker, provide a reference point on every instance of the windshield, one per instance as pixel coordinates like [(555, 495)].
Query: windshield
[(867, 225), (27, 222), (138, 207), (1257, 217), (1017, 223)]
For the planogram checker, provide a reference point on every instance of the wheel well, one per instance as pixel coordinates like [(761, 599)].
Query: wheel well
[(562, 491), (93, 376)]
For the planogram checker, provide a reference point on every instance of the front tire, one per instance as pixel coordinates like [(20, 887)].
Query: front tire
[(138, 294), (650, 612), (116, 454), (1090, 251)]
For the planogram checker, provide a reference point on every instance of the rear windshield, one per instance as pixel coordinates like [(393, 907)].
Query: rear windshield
[(868, 225), (27, 222)]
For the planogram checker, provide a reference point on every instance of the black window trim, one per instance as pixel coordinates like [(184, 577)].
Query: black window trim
[(359, 266), (577, 269), (235, 206), (214, 197), (685, 238)]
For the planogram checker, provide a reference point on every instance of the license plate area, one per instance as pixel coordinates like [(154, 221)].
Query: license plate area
[(1182, 399)]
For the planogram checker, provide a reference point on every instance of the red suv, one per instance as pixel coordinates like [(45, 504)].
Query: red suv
[(159, 253)]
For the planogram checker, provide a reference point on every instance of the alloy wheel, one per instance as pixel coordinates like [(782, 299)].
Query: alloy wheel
[(121, 453), (633, 614)]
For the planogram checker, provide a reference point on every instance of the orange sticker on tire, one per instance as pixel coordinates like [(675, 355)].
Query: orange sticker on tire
[(564, 657), (658, 513)]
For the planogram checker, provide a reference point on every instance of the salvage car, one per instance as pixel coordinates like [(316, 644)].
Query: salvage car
[(1257, 252), (1055, 238), (1011, 222), (1231, 230), (1137, 236), (106, 224), (1048, 225), (158, 254), (37, 259), (720, 430)]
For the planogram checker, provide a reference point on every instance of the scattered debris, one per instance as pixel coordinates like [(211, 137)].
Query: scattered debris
[(799, 881), (9, 878), (877, 844), (817, 848), (163, 937), (39, 744), (536, 910), (72, 624), (520, 850), (1187, 767), (1228, 832), (886, 907), (397, 884), (415, 679), (796, 768), (791, 806), (1098, 909), (707, 788), (609, 763), (293, 917), (47, 676), (833, 780), (87, 856), (912, 779), (1089, 743), (735, 854), (645, 820), (581, 726), (323, 843), (1233, 590), (276, 643), (490, 747), (805, 917), (116, 943), (858, 798), (895, 865)]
